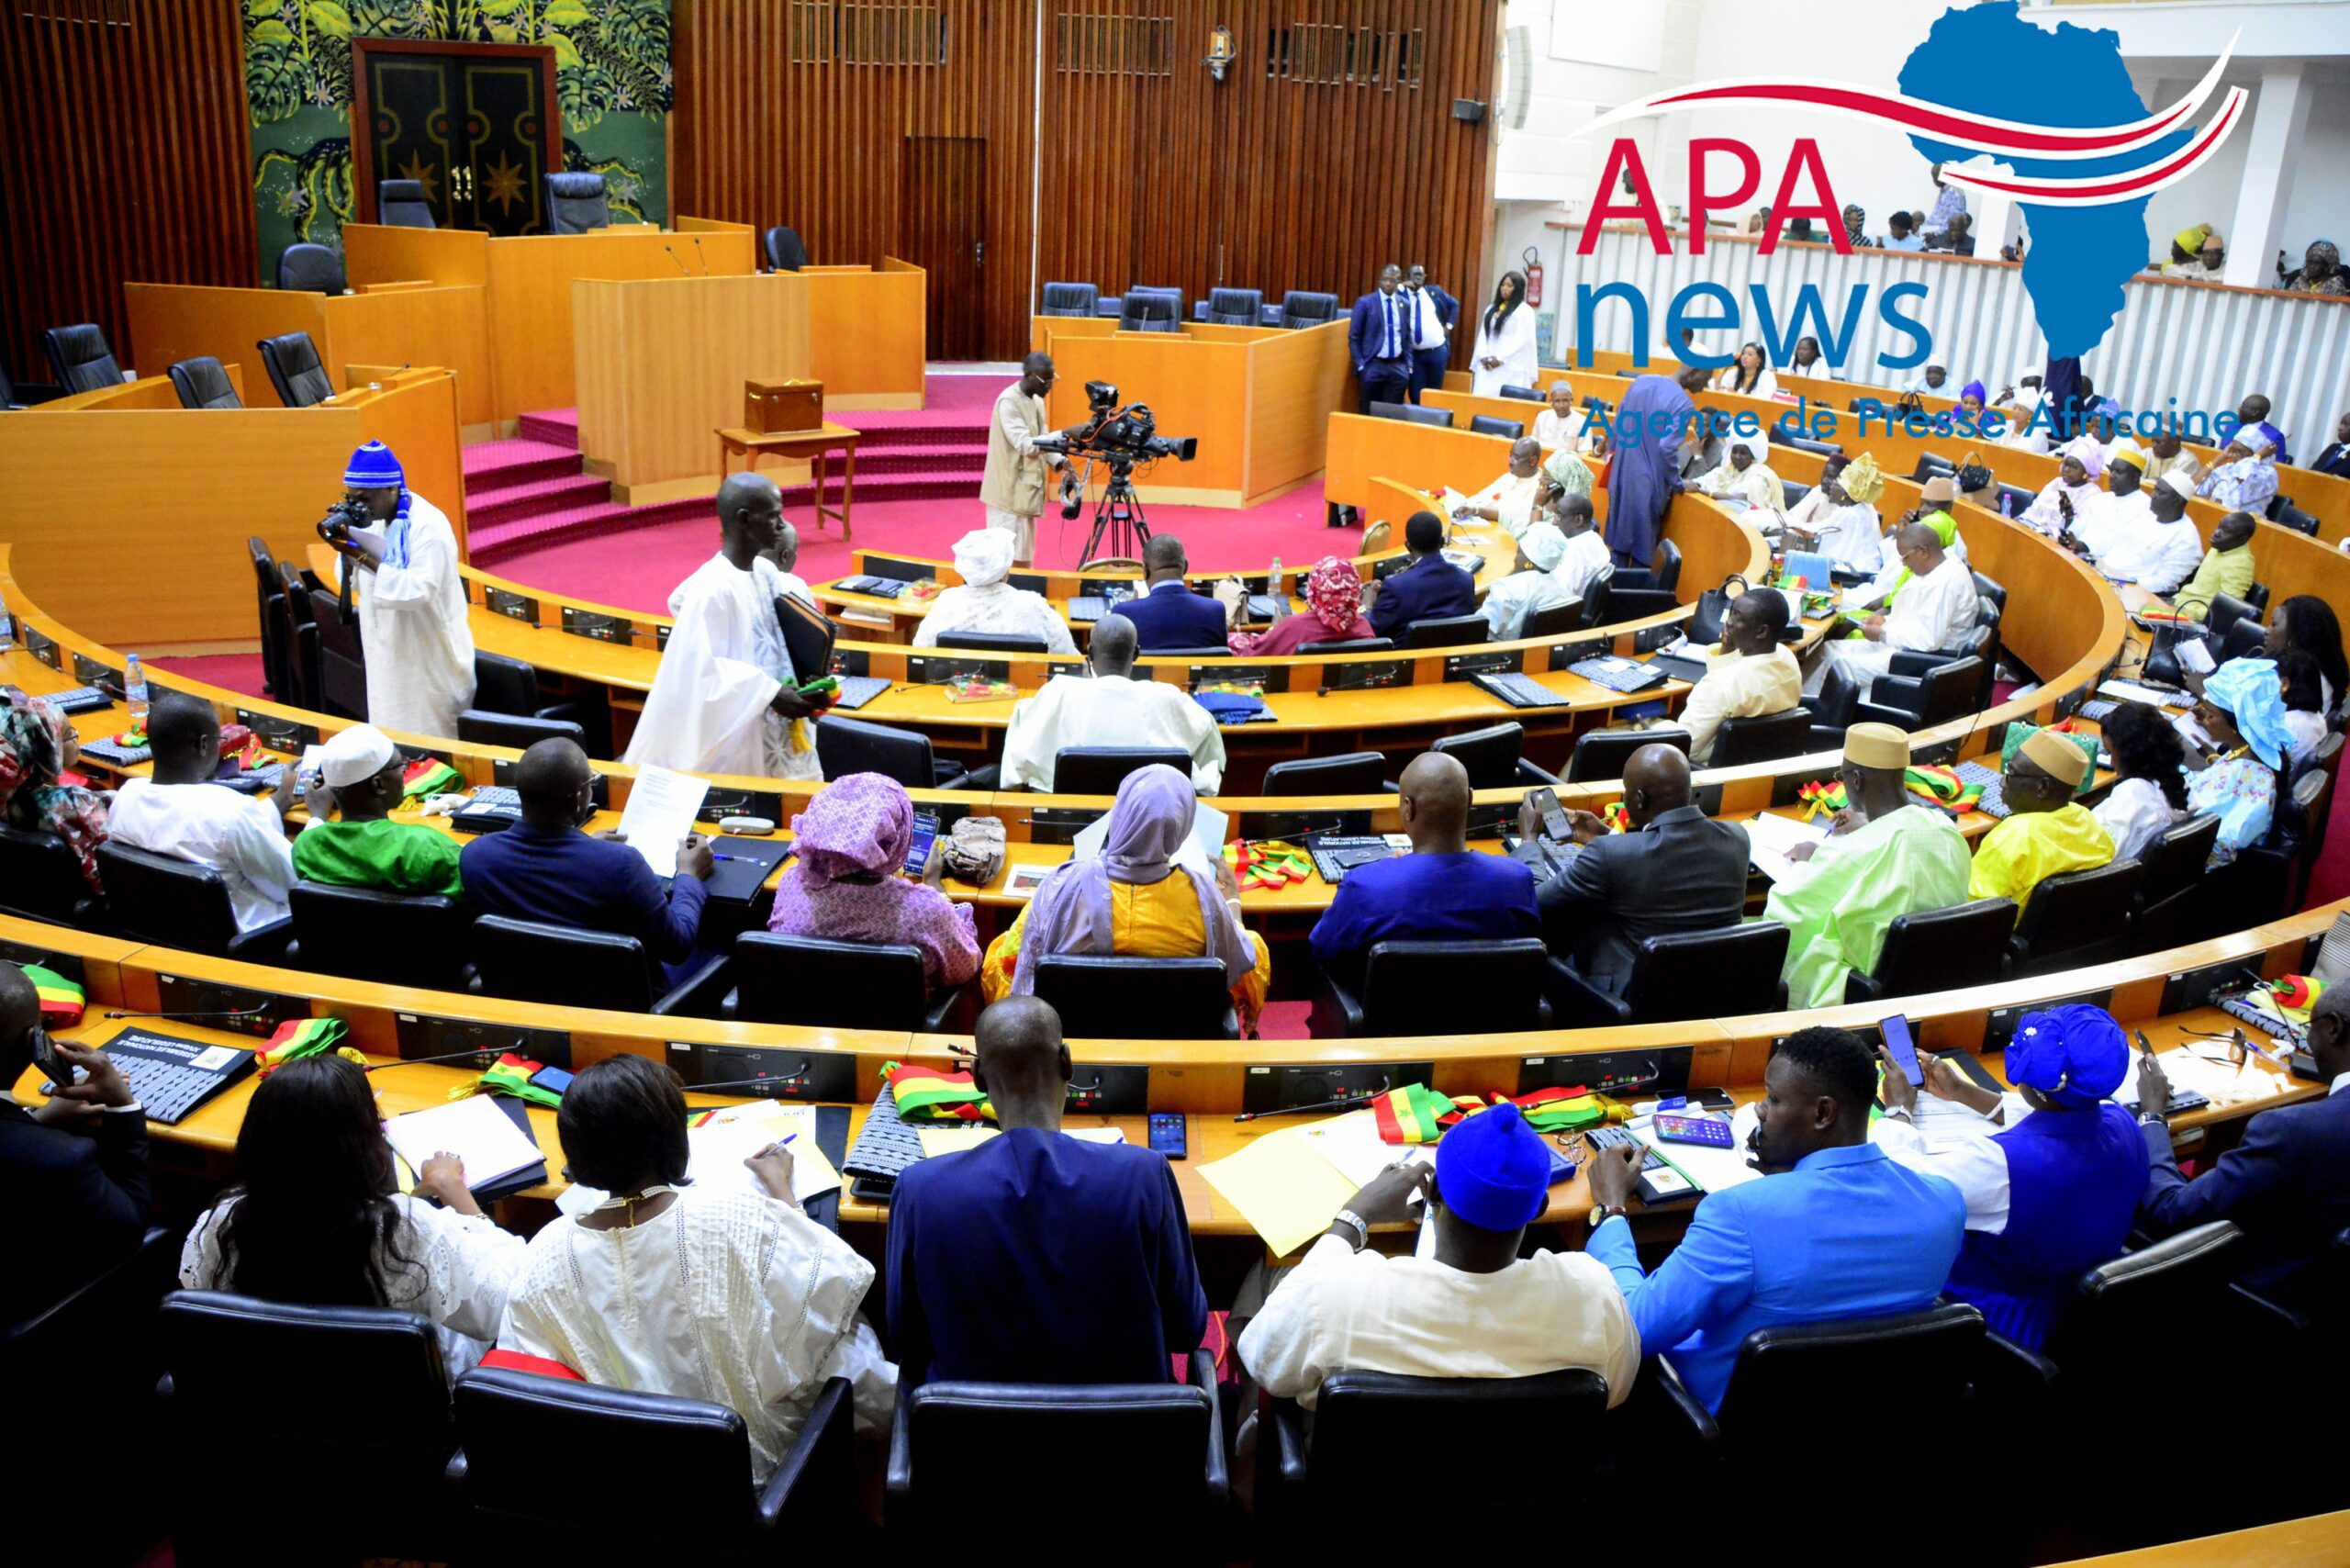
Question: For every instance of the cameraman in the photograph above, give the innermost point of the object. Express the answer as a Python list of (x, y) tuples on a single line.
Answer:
[(400, 555), (1013, 488)]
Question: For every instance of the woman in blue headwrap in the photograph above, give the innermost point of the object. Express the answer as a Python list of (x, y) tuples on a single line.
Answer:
[(2243, 709)]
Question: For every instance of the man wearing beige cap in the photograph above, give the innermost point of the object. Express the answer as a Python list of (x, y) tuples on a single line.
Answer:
[(360, 774), (2048, 832), (1887, 857)]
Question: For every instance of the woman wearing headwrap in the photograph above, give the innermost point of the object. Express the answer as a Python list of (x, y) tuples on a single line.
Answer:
[(1564, 473), (845, 886), (1531, 587), (1972, 398), (1333, 593), (985, 602), (2051, 1195), (1846, 528), (1745, 474), (37, 745), (2320, 270), (2246, 478), (2243, 709), (2021, 403), (2198, 255), (2072, 493), (1856, 220), (1134, 899)]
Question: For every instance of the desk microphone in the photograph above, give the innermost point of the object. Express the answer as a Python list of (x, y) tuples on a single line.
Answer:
[(518, 1044), (1337, 1103), (698, 256), (682, 271), (772, 1080), (191, 1017)]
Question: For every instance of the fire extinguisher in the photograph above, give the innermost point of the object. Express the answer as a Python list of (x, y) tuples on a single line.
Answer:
[(1533, 259)]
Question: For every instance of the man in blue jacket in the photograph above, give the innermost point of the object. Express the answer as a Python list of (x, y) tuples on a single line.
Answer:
[(1835, 1231), (1429, 588), (1167, 614), (1436, 313), (1380, 339), (2287, 1185)]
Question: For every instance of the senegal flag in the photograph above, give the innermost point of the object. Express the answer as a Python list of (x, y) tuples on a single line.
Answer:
[(299, 1037), (60, 999), (926, 1094), (1561, 1110), (523, 1079), (429, 776), (1413, 1113)]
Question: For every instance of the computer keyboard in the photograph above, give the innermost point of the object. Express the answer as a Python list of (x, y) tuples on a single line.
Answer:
[(879, 588), (172, 1076), (1335, 855), (1994, 803), (1618, 674), (81, 699), (2096, 710), (115, 756), (885, 1147), (488, 808), (856, 690), (1519, 690)]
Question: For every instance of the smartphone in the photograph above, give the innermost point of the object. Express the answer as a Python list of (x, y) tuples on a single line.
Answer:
[(1895, 1031), (1167, 1134), (51, 1065), (1545, 805), (918, 852)]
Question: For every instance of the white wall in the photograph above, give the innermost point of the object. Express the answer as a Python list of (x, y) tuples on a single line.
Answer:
[(2319, 207)]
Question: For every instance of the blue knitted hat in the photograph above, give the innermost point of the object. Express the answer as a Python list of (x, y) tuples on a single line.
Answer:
[(373, 467), (1492, 1170)]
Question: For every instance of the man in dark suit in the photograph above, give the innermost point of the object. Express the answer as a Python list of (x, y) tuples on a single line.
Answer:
[(2287, 1185), (1436, 313), (1429, 588), (1678, 870), (75, 1171), (1167, 614), (1380, 339)]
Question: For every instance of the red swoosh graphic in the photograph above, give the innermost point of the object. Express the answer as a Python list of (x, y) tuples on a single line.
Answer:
[(1942, 125)]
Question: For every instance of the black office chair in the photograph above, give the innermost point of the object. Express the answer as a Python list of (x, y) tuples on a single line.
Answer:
[(1925, 689), (1437, 988), (81, 359), (2225, 612), (1118, 1453), (784, 251), (245, 1375), (2244, 640), (389, 938), (203, 384), (340, 658), (1554, 620), (1113, 997), (2072, 921), (310, 269), (292, 361), (400, 204), (993, 642), (1992, 589), (1467, 1434), (40, 878), (1805, 443), (511, 1421), (269, 604), (2015, 498), (1149, 310), (2257, 595), (2168, 909), (511, 687), (1492, 756), (1693, 974), (1662, 572), (7, 391), (845, 746), (1602, 754), (1413, 413), (524, 960), (1305, 309), (1235, 307), (1524, 394), (517, 731), (824, 984), (577, 202), (1446, 632), (1353, 773), (1351, 645), (1070, 299), (2285, 514), (1932, 464), (1599, 598), (1938, 949), (1100, 769), (1793, 493), (1766, 737), (177, 904), (1494, 424)]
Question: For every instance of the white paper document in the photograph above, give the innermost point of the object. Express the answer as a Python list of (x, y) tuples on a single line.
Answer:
[(1771, 841), (716, 1149), (661, 809), (1200, 852), (473, 1129)]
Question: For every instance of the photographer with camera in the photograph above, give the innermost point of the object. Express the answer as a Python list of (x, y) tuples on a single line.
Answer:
[(399, 564), (1014, 485)]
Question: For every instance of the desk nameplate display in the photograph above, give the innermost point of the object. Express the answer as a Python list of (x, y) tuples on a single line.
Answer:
[(93, 672), (602, 628), (1122, 1091), (421, 1035), (1283, 1086), (1629, 1075), (1999, 1024), (600, 785), (1461, 667), (513, 605), (264, 1010), (1368, 675), (287, 736), (2191, 988), (938, 671), (45, 649), (1265, 677), (767, 1072), (65, 965)]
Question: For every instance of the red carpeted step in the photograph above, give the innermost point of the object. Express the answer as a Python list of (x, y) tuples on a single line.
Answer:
[(512, 503), (556, 427), (491, 464), (504, 534)]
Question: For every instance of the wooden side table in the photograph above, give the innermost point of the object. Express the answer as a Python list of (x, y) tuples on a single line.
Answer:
[(816, 446)]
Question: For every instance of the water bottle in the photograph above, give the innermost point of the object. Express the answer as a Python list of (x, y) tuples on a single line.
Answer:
[(134, 691), (7, 626), (1274, 579), (2007, 505)]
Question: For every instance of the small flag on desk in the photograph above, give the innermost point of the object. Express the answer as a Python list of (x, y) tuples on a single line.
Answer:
[(299, 1037), (926, 1094), (60, 999), (1413, 1113), (1561, 1110), (523, 1079), (429, 776)]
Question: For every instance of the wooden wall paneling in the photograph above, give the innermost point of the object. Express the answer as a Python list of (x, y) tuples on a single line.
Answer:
[(797, 112), (124, 154), (178, 322), (418, 325)]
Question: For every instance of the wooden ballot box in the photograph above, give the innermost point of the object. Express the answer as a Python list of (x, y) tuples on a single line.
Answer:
[(777, 408)]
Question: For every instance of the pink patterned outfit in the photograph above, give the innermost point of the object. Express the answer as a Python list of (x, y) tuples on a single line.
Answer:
[(845, 886)]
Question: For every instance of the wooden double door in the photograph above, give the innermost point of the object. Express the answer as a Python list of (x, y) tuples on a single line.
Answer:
[(476, 125)]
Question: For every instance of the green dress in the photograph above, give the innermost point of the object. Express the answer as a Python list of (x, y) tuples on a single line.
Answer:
[(1840, 902)]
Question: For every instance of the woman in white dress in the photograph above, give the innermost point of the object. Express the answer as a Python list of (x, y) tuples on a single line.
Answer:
[(720, 1289), (319, 1218), (2152, 794), (1746, 474), (1750, 375), (1505, 353)]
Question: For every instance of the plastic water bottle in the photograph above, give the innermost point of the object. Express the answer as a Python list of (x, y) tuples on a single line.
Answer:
[(2007, 505), (1274, 579), (134, 691), (7, 626)]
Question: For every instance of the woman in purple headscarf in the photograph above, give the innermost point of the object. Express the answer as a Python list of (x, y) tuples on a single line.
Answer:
[(845, 885), (1134, 899)]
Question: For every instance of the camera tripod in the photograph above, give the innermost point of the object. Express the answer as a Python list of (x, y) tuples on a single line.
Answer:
[(1118, 518)]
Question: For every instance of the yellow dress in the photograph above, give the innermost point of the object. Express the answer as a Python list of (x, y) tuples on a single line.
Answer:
[(2032, 847), (1147, 920)]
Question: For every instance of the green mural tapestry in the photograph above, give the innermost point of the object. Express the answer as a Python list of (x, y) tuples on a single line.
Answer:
[(611, 83)]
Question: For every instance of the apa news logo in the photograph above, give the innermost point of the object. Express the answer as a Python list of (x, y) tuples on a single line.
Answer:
[(1966, 97)]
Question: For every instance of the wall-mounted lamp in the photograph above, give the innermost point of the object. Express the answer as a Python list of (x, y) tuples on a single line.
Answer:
[(1221, 53)]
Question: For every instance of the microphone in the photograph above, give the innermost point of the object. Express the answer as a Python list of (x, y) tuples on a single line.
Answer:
[(773, 1081), (453, 1056), (191, 1017), (1336, 1103), (679, 260), (698, 256)]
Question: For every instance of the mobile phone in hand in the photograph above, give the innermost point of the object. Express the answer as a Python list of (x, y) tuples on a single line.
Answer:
[(53, 1065), (1903, 1049), (1554, 820)]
